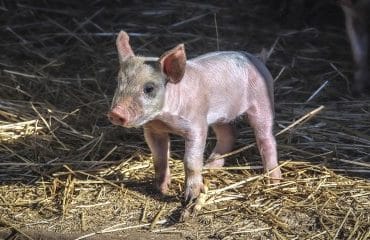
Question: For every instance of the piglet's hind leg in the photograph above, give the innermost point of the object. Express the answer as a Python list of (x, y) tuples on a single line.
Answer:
[(266, 142), (225, 134)]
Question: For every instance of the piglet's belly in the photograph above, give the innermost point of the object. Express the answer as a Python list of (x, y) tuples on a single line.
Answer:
[(226, 108), (224, 115)]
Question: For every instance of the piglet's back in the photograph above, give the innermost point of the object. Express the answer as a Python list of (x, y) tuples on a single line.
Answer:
[(232, 81)]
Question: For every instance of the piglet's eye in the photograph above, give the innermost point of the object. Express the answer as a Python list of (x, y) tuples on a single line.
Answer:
[(149, 88)]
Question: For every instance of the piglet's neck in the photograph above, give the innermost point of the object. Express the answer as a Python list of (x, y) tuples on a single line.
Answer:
[(173, 97), (178, 95)]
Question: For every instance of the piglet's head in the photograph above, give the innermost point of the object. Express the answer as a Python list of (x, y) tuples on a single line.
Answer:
[(140, 92)]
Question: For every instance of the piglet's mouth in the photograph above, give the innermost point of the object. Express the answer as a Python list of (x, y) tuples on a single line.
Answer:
[(119, 116), (123, 123), (122, 118)]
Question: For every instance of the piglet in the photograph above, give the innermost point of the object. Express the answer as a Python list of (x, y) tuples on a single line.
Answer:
[(184, 97)]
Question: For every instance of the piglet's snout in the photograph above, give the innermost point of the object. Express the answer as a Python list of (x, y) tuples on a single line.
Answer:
[(118, 116)]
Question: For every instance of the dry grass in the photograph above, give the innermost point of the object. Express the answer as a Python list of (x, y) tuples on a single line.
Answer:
[(64, 169)]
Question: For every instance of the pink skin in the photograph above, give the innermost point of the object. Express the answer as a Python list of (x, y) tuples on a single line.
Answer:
[(225, 135), (210, 90), (159, 144)]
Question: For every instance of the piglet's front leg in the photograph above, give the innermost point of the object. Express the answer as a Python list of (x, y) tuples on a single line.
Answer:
[(195, 142), (159, 146)]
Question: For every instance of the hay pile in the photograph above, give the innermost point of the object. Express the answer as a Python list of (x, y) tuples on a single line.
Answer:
[(67, 173)]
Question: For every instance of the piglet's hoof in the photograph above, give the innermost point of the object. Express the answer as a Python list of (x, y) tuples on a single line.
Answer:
[(162, 185), (274, 176), (192, 208), (193, 190)]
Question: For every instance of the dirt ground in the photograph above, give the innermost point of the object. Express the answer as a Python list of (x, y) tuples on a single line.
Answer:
[(67, 173)]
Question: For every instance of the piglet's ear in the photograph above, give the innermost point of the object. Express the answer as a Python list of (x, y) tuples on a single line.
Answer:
[(123, 46), (173, 63)]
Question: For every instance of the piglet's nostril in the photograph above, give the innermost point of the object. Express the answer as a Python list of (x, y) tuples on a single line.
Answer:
[(122, 120), (116, 118)]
